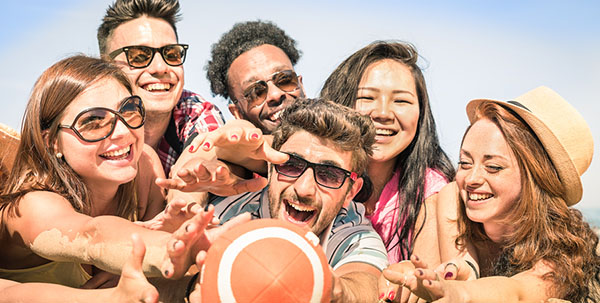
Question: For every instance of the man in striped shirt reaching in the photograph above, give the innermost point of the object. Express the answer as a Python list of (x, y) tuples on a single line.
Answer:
[(328, 147)]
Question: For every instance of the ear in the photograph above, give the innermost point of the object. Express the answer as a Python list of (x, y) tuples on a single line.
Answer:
[(235, 111), (302, 94), (352, 191)]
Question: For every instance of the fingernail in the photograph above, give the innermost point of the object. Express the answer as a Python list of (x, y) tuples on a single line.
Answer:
[(420, 272), (254, 136), (191, 150), (416, 258), (206, 145), (187, 228), (429, 282), (391, 295), (381, 296), (448, 275), (166, 272), (234, 137)]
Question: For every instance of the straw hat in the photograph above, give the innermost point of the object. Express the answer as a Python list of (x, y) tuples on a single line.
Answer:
[(566, 137)]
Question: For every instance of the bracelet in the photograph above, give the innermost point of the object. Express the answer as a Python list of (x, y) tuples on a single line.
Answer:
[(190, 286), (474, 268)]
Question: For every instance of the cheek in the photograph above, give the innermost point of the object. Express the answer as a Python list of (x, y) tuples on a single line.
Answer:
[(408, 117)]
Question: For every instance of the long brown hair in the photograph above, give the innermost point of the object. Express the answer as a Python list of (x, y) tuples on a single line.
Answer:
[(547, 229), (36, 167), (422, 153)]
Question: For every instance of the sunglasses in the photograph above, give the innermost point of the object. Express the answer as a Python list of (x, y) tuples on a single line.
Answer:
[(326, 175), (256, 93), (140, 56), (98, 123)]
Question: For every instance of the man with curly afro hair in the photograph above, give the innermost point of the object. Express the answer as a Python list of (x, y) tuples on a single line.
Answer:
[(253, 65)]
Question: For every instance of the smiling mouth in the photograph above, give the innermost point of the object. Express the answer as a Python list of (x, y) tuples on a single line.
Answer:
[(274, 117), (385, 132), (479, 197), (117, 154), (298, 212), (157, 87)]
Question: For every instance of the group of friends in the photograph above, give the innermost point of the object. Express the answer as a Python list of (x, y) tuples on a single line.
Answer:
[(122, 178)]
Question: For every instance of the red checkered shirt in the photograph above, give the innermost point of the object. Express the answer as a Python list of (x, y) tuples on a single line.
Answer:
[(192, 114)]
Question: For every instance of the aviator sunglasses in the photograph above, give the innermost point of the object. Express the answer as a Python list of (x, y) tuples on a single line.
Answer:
[(98, 123), (256, 93), (326, 175), (140, 56)]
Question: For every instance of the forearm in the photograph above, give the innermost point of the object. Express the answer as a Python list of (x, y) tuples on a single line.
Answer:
[(104, 242), (498, 289), (355, 287), (49, 293)]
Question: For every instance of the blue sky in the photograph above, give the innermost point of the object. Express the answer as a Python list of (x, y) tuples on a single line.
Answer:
[(470, 49)]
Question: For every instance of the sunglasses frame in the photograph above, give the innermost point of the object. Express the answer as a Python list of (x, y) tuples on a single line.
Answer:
[(114, 123), (347, 174), (245, 92), (160, 50)]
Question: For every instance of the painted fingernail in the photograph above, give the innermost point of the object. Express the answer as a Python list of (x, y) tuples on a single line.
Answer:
[(191, 150), (416, 258), (187, 228), (166, 272), (381, 296), (420, 272), (392, 295), (429, 282), (448, 275), (254, 136), (206, 145), (234, 137)]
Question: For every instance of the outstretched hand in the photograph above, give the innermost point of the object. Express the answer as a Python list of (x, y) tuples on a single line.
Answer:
[(191, 239), (133, 285), (210, 176), (403, 281), (175, 214)]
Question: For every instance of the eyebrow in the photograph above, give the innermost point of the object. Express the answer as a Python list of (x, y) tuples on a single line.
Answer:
[(396, 91), (254, 79), (485, 157), (325, 162)]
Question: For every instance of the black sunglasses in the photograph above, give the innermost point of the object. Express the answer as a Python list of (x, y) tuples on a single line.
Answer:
[(326, 175), (140, 56), (256, 93), (98, 123)]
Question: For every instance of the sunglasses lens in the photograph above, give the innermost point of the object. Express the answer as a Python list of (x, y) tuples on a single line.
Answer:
[(286, 80), (173, 54), (256, 93), (292, 168), (139, 56), (132, 112), (94, 124), (329, 176)]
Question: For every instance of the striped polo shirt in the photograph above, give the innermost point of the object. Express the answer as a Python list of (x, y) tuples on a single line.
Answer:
[(350, 237)]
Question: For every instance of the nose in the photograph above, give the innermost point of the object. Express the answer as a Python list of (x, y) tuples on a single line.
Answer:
[(474, 177), (275, 95), (158, 65), (121, 130), (305, 185)]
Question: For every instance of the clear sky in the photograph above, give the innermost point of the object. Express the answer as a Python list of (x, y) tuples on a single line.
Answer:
[(470, 49)]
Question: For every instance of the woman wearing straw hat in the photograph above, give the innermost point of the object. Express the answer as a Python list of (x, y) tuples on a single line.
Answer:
[(519, 171)]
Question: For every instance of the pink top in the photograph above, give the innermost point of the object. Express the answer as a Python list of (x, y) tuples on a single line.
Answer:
[(386, 212)]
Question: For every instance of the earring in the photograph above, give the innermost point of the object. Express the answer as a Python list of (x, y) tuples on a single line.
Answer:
[(59, 155)]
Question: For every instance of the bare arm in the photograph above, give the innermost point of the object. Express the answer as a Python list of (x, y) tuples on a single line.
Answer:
[(133, 287), (355, 282), (447, 214)]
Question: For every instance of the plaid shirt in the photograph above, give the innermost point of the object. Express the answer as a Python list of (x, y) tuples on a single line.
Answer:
[(192, 115)]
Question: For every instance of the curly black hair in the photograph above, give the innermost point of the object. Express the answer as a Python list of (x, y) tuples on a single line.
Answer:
[(242, 37)]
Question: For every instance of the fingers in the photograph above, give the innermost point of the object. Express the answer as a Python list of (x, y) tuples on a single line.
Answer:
[(450, 271), (387, 290), (252, 185), (418, 262), (274, 156), (137, 254)]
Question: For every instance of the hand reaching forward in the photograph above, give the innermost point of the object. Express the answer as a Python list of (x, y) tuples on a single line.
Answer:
[(133, 285)]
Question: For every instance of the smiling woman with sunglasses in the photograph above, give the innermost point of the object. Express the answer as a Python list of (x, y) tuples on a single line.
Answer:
[(81, 175)]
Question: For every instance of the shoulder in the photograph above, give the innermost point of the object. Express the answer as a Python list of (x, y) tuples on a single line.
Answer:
[(434, 181), (353, 239)]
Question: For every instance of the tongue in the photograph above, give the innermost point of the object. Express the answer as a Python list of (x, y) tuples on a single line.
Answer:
[(298, 215)]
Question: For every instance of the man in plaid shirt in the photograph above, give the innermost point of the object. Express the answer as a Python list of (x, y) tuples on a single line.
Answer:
[(141, 37)]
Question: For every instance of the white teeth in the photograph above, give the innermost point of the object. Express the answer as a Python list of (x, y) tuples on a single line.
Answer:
[(477, 197), (117, 153), (275, 116), (157, 86), (384, 132), (299, 207)]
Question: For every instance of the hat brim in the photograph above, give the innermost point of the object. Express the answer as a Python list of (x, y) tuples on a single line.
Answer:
[(558, 155)]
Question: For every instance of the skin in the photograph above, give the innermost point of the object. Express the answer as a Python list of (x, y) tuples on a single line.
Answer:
[(489, 168), (325, 203), (260, 63), (168, 79)]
